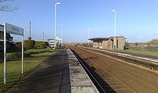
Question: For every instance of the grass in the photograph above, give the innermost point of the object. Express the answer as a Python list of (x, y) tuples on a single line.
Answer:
[(1, 56), (14, 67), (141, 52)]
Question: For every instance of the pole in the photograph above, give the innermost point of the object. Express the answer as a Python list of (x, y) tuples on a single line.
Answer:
[(88, 36), (115, 46), (22, 63), (55, 23), (61, 32), (55, 28), (43, 36), (115, 32), (30, 29), (5, 65)]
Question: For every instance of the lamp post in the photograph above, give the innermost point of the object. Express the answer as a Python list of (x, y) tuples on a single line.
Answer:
[(88, 36), (115, 46), (55, 23), (43, 36), (55, 17)]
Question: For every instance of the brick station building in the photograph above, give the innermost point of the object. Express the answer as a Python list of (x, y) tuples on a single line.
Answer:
[(108, 43)]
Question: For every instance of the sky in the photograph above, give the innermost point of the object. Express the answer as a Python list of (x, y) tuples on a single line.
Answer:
[(137, 20)]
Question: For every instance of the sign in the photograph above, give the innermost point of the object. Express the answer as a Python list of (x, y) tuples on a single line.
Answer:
[(8, 28), (13, 29)]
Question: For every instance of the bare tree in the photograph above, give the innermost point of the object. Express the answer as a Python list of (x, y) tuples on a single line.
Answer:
[(7, 8)]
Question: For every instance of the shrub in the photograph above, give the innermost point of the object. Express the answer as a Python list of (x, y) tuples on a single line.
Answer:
[(29, 38), (43, 46), (8, 45), (18, 45), (40, 44), (29, 44)]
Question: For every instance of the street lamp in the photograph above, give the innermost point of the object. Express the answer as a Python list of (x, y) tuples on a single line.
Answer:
[(55, 22), (55, 17), (115, 46)]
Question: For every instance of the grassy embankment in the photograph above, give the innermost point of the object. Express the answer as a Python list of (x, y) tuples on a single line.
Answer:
[(141, 52), (14, 65)]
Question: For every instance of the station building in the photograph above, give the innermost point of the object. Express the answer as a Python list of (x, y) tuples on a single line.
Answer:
[(8, 36), (108, 43)]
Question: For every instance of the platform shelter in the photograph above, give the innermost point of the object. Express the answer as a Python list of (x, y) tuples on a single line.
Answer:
[(108, 43)]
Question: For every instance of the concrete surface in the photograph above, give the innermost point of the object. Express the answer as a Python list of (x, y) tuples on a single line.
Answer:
[(79, 80)]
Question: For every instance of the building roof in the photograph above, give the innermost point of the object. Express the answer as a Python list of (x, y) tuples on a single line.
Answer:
[(101, 39), (96, 39), (117, 37)]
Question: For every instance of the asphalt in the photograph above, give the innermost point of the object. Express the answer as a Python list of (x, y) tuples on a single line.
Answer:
[(51, 76)]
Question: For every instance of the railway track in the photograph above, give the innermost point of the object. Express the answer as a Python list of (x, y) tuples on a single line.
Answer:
[(115, 75)]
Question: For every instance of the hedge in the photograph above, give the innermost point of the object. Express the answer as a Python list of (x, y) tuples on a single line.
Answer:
[(40, 44), (29, 44)]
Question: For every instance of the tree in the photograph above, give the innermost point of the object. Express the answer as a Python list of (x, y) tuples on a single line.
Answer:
[(136, 44), (7, 8)]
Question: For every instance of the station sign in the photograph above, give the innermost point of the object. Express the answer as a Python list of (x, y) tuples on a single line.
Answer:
[(13, 29), (8, 28)]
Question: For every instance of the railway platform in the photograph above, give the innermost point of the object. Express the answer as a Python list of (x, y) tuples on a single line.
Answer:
[(79, 80), (61, 73)]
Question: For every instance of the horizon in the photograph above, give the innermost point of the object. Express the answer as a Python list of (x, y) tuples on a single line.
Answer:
[(84, 19)]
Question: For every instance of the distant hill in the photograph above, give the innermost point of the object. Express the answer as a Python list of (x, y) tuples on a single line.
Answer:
[(153, 42)]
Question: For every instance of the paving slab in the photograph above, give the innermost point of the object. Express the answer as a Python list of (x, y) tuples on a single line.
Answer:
[(79, 80)]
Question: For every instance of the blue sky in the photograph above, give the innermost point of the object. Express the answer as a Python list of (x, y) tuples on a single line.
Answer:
[(137, 20)]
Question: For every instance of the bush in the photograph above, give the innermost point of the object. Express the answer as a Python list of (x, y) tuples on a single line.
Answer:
[(29, 44), (43, 46), (8, 45), (18, 45), (29, 38), (40, 44), (17, 55)]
